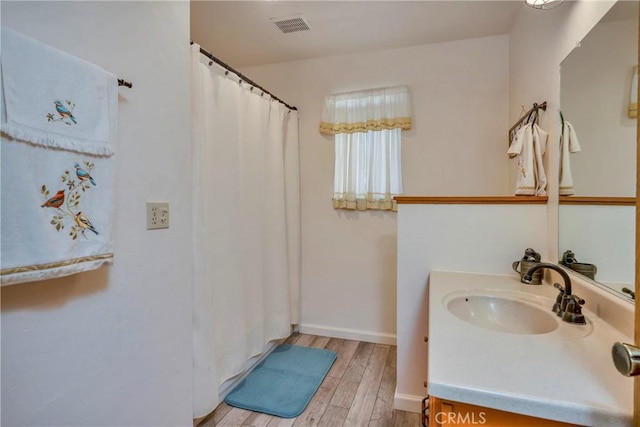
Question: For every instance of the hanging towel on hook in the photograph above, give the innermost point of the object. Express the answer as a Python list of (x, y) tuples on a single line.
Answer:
[(59, 122), (529, 146), (568, 144)]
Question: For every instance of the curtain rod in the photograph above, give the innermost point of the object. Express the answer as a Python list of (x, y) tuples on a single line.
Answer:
[(242, 77)]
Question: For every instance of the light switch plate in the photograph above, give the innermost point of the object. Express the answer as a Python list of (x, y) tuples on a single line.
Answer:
[(157, 215)]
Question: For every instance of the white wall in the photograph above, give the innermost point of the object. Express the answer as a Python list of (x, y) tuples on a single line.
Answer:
[(113, 347), (471, 238), (457, 146), (595, 90), (538, 42)]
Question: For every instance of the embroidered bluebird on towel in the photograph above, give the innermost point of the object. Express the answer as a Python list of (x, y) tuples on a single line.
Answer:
[(55, 99)]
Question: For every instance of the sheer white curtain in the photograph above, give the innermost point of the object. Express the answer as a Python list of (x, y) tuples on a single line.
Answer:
[(368, 133), (367, 170), (246, 226)]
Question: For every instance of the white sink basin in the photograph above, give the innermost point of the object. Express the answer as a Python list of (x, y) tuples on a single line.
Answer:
[(503, 314)]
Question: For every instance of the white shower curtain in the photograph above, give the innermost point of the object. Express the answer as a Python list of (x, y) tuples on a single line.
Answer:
[(246, 217)]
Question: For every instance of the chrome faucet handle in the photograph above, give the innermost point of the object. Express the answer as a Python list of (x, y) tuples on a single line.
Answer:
[(573, 310)]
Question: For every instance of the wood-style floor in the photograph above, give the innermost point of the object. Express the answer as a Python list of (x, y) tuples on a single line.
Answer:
[(357, 391)]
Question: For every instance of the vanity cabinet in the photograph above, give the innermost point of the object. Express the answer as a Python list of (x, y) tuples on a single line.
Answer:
[(449, 413)]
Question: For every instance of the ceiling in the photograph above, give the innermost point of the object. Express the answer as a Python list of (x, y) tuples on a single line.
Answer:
[(241, 34)]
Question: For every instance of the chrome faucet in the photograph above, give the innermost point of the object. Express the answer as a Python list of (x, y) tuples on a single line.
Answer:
[(567, 305)]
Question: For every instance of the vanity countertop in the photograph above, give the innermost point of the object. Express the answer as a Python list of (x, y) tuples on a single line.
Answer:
[(565, 375)]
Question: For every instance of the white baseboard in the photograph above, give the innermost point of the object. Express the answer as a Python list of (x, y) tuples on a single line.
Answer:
[(407, 402), (349, 334)]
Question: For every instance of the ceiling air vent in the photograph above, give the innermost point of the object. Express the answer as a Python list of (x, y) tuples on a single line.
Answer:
[(291, 24)]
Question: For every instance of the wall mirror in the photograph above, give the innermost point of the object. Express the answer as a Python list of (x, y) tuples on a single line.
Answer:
[(597, 221)]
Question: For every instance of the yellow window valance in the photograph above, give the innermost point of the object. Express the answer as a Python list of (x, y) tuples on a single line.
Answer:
[(362, 111)]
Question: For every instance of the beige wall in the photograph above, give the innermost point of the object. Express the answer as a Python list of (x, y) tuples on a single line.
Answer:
[(457, 146)]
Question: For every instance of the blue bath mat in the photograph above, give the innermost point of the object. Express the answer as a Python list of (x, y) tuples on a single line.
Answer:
[(284, 382)]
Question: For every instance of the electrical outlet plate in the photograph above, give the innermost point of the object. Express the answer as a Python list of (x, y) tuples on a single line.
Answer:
[(157, 215)]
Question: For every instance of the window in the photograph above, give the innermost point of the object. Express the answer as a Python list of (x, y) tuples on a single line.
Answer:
[(367, 127)]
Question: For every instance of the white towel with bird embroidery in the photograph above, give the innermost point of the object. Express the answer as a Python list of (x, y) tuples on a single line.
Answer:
[(57, 198), (529, 146), (568, 144), (55, 99)]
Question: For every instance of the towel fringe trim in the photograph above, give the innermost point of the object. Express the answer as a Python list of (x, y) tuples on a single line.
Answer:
[(34, 137), (32, 273)]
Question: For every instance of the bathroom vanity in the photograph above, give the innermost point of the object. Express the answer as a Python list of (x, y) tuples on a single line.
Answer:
[(499, 356)]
